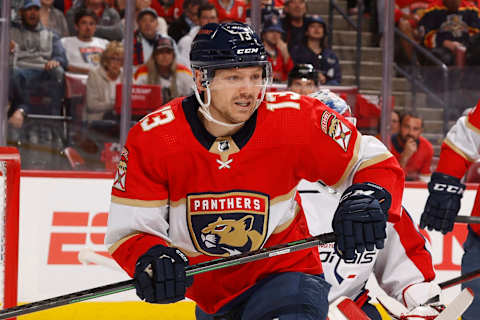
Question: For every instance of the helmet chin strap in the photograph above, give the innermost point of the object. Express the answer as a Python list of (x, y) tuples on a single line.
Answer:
[(205, 109)]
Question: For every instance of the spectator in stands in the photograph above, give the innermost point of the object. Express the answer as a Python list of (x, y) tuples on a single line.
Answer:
[(144, 4), (189, 19), (303, 79), (168, 9), (294, 22), (314, 51), (102, 82), (144, 36), (84, 50), (206, 14), (230, 10), (53, 19), (267, 8), (413, 152), (395, 122), (276, 48), (39, 57), (447, 27), (17, 109), (162, 69), (109, 24), (407, 16)]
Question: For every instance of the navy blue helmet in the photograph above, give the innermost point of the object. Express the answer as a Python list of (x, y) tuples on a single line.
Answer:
[(225, 46)]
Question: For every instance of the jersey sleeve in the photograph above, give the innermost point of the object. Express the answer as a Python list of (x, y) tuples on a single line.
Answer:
[(138, 216), (405, 260), (343, 156), (461, 146)]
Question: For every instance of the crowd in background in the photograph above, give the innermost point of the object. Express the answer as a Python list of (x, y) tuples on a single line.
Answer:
[(58, 46)]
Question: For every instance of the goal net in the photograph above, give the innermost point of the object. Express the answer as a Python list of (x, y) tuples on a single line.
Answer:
[(9, 223)]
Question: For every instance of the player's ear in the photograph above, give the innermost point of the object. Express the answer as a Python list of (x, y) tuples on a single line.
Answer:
[(198, 80)]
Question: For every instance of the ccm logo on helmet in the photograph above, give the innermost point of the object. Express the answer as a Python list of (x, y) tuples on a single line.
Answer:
[(247, 50)]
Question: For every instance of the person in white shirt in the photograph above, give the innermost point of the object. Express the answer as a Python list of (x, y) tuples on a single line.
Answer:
[(84, 50)]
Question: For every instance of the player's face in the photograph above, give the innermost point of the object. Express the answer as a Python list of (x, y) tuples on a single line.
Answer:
[(148, 25), (86, 28), (234, 93), (164, 57), (410, 128), (31, 16), (208, 16), (303, 86)]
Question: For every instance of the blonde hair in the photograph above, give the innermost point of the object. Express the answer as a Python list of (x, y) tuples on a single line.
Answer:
[(113, 48), (154, 76)]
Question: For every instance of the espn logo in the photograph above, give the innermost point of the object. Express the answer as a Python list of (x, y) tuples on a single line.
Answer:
[(73, 231)]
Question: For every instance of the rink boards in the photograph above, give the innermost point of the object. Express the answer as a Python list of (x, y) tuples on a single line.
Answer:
[(62, 215)]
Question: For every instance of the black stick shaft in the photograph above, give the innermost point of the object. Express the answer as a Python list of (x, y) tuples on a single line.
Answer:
[(467, 219), (460, 279), (190, 270)]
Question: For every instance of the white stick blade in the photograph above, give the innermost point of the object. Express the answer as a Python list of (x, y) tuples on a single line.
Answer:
[(458, 306)]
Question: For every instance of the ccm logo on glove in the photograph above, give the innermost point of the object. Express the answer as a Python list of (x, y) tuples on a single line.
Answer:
[(447, 188)]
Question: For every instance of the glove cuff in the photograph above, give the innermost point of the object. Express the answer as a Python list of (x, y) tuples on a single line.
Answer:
[(438, 176), (441, 182), (161, 250), (370, 189)]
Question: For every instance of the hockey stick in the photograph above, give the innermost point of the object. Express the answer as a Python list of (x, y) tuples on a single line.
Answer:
[(190, 270), (460, 279), (467, 219), (455, 281)]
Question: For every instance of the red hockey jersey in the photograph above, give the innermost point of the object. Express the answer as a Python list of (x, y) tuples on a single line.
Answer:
[(213, 197)]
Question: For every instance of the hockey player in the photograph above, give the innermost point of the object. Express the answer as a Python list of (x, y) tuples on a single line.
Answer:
[(403, 269), (215, 174), (459, 150)]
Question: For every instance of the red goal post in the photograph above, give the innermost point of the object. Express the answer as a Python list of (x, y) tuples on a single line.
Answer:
[(9, 225)]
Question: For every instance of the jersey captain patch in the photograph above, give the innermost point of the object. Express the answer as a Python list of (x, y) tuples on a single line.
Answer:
[(336, 129), (121, 173), (227, 223)]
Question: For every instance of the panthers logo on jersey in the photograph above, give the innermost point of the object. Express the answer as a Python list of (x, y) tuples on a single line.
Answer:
[(229, 223), (336, 129)]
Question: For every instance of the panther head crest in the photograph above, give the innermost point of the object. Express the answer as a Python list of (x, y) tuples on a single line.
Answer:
[(232, 236)]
